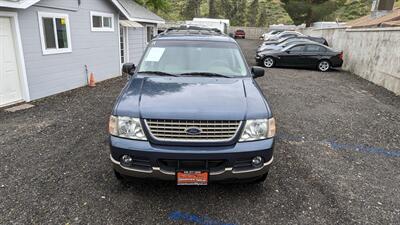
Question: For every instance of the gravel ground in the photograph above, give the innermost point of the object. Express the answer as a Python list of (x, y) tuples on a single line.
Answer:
[(337, 161)]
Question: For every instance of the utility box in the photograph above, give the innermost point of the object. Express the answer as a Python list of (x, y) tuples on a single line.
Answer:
[(381, 7), (385, 5)]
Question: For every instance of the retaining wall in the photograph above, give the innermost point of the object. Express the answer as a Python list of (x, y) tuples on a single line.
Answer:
[(373, 53)]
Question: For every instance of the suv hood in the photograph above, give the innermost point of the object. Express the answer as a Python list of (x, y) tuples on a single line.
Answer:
[(192, 98)]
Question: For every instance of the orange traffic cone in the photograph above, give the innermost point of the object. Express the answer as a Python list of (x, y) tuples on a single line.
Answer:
[(92, 82)]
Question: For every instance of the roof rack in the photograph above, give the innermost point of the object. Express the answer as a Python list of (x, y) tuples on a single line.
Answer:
[(192, 30)]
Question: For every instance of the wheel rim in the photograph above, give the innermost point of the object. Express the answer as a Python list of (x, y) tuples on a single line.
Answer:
[(268, 62), (323, 66)]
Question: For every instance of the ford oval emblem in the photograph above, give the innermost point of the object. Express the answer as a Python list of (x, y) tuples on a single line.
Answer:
[(193, 131)]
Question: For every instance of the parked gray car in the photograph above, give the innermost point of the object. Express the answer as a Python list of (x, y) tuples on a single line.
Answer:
[(284, 34), (319, 40), (283, 44)]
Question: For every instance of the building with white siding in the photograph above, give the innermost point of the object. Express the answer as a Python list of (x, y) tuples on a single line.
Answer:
[(50, 46)]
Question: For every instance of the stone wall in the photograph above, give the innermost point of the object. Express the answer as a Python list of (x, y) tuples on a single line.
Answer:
[(372, 53)]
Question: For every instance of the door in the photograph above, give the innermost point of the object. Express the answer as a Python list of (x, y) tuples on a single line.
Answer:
[(10, 84), (292, 56), (149, 33), (312, 54)]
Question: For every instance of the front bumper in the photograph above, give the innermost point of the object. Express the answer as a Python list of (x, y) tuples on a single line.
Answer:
[(337, 63), (158, 173), (259, 58), (155, 155)]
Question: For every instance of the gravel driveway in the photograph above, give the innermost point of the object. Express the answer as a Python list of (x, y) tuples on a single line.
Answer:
[(337, 161)]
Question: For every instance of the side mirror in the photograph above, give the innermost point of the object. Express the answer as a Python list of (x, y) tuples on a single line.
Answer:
[(288, 52), (257, 71), (128, 68)]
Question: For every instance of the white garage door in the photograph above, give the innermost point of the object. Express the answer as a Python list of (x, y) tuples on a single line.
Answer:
[(10, 85)]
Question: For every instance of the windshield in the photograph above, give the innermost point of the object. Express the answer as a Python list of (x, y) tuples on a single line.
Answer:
[(191, 57)]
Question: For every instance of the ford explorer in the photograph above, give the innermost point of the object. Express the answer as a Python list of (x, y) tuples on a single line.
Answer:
[(192, 113)]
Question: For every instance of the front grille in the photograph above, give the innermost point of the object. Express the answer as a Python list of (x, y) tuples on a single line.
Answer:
[(176, 165), (177, 130)]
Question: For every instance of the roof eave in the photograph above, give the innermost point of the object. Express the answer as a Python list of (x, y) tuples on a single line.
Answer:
[(146, 20), (18, 5), (126, 14)]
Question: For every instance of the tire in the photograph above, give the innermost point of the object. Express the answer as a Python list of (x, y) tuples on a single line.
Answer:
[(323, 65), (269, 62)]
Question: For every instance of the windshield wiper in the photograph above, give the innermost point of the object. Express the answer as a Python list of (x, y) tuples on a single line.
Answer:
[(205, 74), (160, 73)]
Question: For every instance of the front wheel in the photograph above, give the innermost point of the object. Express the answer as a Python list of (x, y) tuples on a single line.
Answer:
[(269, 62), (324, 65)]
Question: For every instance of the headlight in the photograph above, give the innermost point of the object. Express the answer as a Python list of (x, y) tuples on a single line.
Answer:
[(126, 127), (258, 130)]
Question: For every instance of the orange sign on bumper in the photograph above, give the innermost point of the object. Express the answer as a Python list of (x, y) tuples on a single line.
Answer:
[(192, 178)]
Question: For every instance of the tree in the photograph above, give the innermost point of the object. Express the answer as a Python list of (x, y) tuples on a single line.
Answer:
[(351, 10), (239, 13), (191, 9), (227, 9), (262, 18), (309, 11), (212, 9), (155, 5), (252, 13)]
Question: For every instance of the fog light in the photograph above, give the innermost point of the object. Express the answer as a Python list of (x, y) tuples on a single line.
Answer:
[(257, 161), (126, 160)]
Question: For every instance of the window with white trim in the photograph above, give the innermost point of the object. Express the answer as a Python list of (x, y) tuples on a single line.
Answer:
[(54, 32), (102, 21)]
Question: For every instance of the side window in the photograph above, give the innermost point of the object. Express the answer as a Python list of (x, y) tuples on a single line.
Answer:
[(297, 48), (285, 35), (102, 21), (315, 48), (54, 32), (290, 35)]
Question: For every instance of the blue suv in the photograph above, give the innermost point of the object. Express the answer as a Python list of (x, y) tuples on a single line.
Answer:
[(192, 112)]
